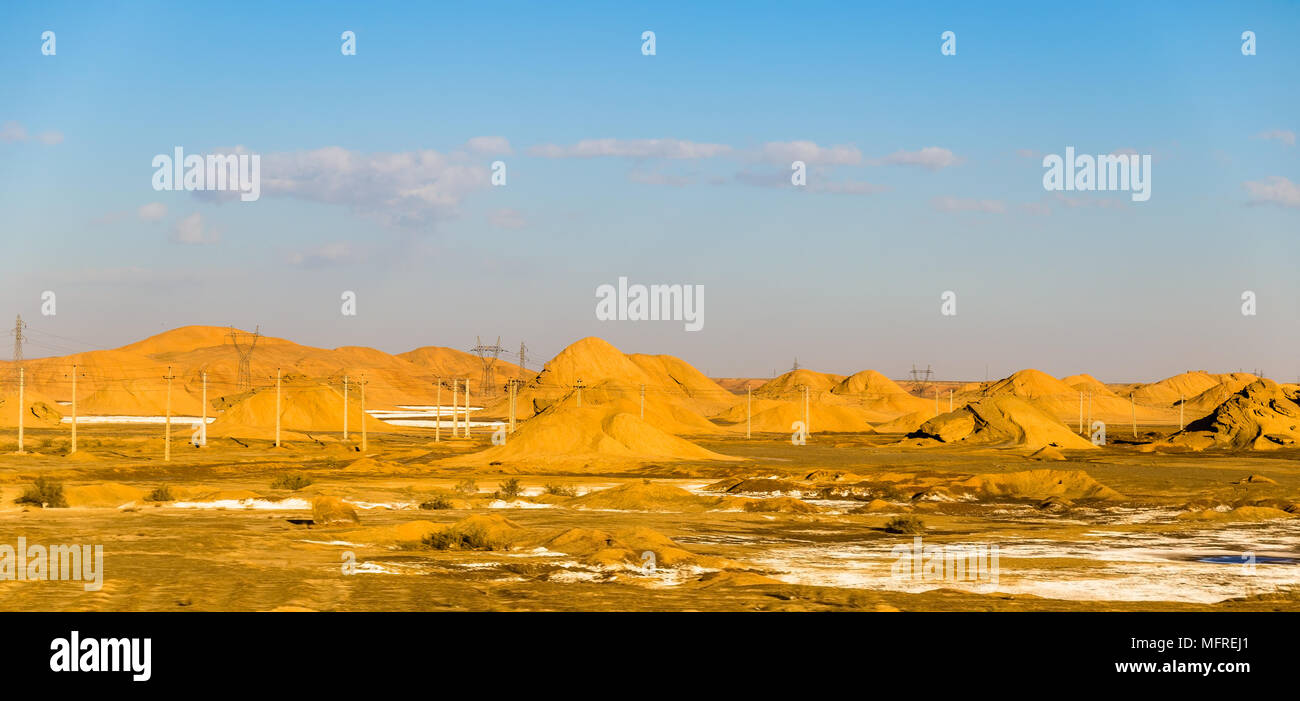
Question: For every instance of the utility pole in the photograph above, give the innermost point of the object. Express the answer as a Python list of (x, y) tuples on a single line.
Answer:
[(578, 385), (749, 409), (277, 407), (364, 382), (437, 422), (203, 428), (245, 378), (949, 400), (1089, 410), (807, 423), (74, 409), (167, 436), (21, 405), (643, 401), (1132, 407), (523, 371), (1080, 412), (455, 418), (345, 408), (1180, 412), (467, 407), (514, 386)]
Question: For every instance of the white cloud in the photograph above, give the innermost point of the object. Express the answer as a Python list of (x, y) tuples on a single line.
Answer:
[(153, 211), (1273, 190), (631, 148), (655, 178), (190, 230), (930, 158), (809, 152), (954, 204), (846, 187), (1283, 135), (405, 189), (322, 256), (12, 131), (489, 145), (507, 219)]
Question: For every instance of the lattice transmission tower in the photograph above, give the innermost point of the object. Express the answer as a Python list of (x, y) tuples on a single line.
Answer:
[(487, 382), (244, 380)]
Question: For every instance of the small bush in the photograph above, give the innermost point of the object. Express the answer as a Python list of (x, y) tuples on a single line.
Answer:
[(562, 490), (437, 503), (905, 524), (163, 493), (509, 489), (290, 481), (467, 487), (44, 493), (469, 539)]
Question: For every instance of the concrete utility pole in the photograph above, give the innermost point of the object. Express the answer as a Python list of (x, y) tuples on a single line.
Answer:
[(21, 408), (437, 423), (345, 407), (363, 414), (578, 385), (1080, 411), (949, 400), (514, 391), (807, 425), (74, 409), (455, 418), (749, 410), (203, 429), (1089, 408), (1132, 407), (467, 407), (167, 436), (277, 407), (643, 401)]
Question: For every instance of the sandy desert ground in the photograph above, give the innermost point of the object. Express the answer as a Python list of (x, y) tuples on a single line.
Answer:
[(606, 506)]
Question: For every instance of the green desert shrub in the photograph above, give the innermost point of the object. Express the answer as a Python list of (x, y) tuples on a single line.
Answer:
[(561, 490), (905, 524), (291, 481), (44, 493), (163, 493), (509, 489), (436, 503), (467, 487)]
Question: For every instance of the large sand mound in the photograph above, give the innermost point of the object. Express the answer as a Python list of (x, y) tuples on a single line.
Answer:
[(874, 392), (1263, 415), (309, 408), (603, 433), (1001, 422), (791, 383), (1066, 402), (608, 375), (774, 416), (1087, 383), (1185, 386)]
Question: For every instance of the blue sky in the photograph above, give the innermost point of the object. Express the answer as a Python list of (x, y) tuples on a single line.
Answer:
[(845, 274)]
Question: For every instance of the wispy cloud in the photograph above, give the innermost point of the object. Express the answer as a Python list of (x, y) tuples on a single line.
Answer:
[(324, 256), (191, 230), (929, 158), (13, 132), (955, 204), (1282, 135), (507, 219), (411, 188), (810, 153), (154, 211), (1275, 190), (631, 148)]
